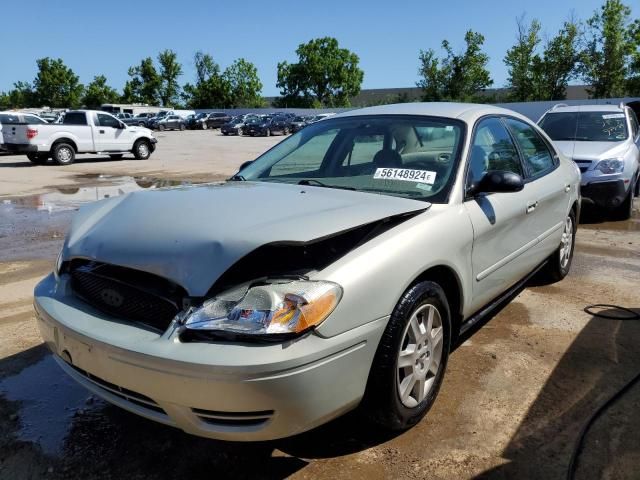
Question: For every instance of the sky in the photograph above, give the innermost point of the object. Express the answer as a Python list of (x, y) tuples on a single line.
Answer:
[(107, 37)]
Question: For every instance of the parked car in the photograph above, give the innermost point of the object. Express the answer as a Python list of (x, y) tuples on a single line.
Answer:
[(82, 131), (320, 116), (197, 121), (298, 123), (233, 126), (216, 120), (171, 122), (141, 119), (604, 141), (336, 270), (267, 126), (123, 116)]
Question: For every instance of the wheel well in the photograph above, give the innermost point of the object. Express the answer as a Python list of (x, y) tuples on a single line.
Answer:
[(448, 280), (65, 140), (575, 208)]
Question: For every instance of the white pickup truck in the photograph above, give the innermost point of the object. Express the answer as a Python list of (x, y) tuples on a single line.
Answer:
[(82, 131)]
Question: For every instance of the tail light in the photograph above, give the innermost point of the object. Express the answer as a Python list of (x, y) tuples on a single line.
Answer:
[(31, 133)]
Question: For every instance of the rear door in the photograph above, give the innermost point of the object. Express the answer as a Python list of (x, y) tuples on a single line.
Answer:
[(502, 243)]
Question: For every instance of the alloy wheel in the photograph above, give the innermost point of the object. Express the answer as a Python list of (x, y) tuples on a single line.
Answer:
[(566, 243)]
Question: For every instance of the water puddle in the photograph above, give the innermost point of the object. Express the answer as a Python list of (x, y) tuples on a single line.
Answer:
[(34, 226), (49, 401)]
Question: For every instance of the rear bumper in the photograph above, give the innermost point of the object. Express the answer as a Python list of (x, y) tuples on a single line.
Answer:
[(606, 194), (222, 390), (20, 148)]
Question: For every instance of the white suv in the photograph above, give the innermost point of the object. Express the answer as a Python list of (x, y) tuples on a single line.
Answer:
[(604, 141)]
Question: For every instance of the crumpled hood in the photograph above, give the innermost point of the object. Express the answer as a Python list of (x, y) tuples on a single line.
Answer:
[(591, 150), (192, 235)]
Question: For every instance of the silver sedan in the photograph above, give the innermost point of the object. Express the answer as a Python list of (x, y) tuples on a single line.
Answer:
[(335, 271)]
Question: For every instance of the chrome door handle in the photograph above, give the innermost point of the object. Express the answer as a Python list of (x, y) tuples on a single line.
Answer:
[(567, 188), (531, 206)]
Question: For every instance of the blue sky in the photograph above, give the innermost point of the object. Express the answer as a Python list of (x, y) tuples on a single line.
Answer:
[(106, 37)]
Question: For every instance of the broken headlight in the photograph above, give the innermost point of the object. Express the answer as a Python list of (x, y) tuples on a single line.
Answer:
[(267, 309)]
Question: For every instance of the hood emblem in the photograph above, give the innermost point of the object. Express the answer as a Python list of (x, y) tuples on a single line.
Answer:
[(111, 298)]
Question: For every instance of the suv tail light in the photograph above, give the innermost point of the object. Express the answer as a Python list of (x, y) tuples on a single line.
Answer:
[(31, 132)]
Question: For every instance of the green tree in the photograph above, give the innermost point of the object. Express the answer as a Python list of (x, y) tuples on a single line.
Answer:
[(144, 85), (633, 80), (520, 60), (210, 89), (20, 96), (98, 92), (558, 64), (244, 84), (324, 76), (170, 70), (605, 60), (56, 85), (458, 77)]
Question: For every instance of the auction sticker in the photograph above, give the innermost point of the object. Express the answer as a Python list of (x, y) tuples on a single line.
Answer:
[(405, 175), (613, 115)]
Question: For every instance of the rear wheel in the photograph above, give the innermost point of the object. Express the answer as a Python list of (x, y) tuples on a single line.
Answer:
[(142, 150), (63, 154), (116, 156), (38, 158), (559, 263), (411, 358)]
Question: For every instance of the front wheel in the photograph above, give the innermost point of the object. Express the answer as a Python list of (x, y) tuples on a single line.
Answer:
[(411, 359), (161, 128), (142, 150), (63, 154)]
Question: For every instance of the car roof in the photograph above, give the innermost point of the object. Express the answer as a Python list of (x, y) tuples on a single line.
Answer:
[(468, 112), (586, 108)]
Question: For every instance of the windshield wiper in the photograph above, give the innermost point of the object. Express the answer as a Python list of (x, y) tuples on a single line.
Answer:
[(317, 183)]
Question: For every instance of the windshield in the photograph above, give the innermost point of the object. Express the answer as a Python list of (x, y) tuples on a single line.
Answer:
[(406, 156), (586, 126)]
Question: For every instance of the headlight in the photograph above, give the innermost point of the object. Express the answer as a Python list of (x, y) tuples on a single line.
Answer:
[(263, 310), (612, 165)]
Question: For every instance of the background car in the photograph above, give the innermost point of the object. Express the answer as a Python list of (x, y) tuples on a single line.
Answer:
[(141, 119), (233, 127), (197, 121), (298, 123), (171, 122), (604, 141), (216, 120)]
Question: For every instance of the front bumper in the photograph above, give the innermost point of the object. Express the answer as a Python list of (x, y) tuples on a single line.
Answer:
[(222, 390), (607, 194)]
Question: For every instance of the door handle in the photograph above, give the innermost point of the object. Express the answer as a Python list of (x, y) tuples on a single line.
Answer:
[(101, 131), (567, 188), (531, 206)]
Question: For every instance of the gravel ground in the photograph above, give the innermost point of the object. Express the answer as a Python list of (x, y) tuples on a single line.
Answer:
[(515, 396)]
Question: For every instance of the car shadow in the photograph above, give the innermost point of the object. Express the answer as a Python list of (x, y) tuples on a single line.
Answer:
[(599, 362)]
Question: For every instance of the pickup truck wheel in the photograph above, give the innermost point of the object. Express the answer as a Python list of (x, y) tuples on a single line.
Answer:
[(411, 359), (38, 158), (141, 150), (559, 264), (63, 154), (116, 156)]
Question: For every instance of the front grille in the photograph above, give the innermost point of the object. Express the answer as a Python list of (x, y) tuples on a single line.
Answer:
[(121, 392), (233, 419), (127, 294)]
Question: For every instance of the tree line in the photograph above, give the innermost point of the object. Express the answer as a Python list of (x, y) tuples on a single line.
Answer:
[(603, 52)]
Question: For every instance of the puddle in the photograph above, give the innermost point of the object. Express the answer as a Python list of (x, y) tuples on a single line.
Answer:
[(49, 400), (34, 226), (593, 220)]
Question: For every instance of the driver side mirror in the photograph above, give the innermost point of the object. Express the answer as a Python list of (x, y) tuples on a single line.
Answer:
[(120, 126), (496, 181), (245, 165)]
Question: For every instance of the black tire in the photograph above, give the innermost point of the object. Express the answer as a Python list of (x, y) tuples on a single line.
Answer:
[(142, 149), (140, 124), (204, 125), (225, 133), (116, 156), (38, 158), (625, 209), (267, 133), (559, 264), (382, 402), (182, 127), (161, 128), (63, 153)]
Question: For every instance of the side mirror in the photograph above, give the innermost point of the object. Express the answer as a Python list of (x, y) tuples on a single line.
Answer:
[(245, 165), (120, 126), (497, 181)]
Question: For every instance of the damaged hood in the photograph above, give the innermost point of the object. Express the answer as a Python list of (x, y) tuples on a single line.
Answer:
[(192, 235)]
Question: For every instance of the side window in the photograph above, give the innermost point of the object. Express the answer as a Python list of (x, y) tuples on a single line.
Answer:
[(107, 120), (75, 118), (536, 153), (364, 149), (492, 149), (33, 120)]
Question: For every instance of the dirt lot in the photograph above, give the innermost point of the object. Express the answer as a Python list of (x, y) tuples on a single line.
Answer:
[(515, 396)]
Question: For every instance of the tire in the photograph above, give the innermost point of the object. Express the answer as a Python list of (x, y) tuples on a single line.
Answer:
[(182, 127), (625, 209), (63, 154), (239, 132), (225, 133), (161, 128), (116, 156), (204, 126), (38, 158), (140, 124), (559, 263), (142, 150), (393, 397), (267, 133)]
